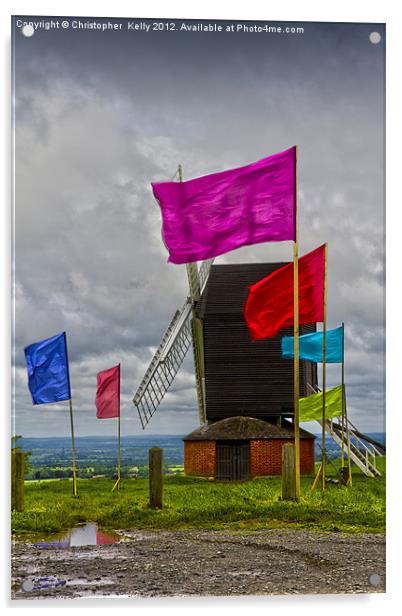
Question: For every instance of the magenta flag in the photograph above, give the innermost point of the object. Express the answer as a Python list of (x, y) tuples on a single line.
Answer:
[(213, 214), (107, 400)]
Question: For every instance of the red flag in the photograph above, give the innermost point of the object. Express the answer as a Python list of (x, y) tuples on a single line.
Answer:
[(107, 400), (269, 305)]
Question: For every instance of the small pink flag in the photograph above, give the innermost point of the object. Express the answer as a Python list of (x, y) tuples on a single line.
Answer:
[(107, 400)]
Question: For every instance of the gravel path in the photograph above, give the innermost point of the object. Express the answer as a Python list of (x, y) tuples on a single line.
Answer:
[(162, 563)]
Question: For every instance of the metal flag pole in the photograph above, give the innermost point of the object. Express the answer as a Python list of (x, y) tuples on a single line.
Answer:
[(324, 358), (343, 397), (296, 387), (75, 491)]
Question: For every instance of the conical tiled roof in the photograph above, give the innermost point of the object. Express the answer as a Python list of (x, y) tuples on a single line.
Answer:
[(244, 428)]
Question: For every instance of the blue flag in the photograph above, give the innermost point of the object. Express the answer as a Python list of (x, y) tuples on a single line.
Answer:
[(310, 346), (47, 363)]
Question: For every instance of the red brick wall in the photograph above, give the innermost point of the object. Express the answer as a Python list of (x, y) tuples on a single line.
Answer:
[(200, 458), (266, 456), (307, 456)]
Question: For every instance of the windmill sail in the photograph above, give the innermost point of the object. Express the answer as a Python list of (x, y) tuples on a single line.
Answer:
[(193, 281), (164, 364), (203, 273), (197, 279), (171, 352)]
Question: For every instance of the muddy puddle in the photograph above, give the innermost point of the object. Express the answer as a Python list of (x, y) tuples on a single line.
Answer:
[(79, 536)]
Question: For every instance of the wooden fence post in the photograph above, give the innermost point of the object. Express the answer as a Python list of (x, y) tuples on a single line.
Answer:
[(155, 477), (345, 475), (288, 472), (17, 480)]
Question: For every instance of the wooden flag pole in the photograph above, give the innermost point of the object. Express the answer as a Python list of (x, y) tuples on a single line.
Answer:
[(345, 426), (117, 484), (324, 358), (343, 397), (348, 436), (118, 451), (190, 267), (316, 478), (75, 491), (296, 387), (75, 488)]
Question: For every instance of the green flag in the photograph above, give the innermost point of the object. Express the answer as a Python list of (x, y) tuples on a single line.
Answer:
[(310, 408)]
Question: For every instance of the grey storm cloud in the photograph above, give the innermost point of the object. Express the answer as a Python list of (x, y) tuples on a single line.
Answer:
[(100, 117)]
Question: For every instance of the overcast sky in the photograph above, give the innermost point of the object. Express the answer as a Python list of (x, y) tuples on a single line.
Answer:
[(99, 115)]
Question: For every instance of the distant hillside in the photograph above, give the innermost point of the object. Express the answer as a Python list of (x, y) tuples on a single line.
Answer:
[(94, 450)]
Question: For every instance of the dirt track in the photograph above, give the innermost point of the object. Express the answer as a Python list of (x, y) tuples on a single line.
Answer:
[(161, 563)]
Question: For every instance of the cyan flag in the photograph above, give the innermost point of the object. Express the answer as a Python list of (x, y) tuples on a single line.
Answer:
[(310, 346), (47, 363)]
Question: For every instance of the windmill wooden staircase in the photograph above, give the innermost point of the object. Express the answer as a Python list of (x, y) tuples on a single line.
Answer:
[(363, 449), (363, 454)]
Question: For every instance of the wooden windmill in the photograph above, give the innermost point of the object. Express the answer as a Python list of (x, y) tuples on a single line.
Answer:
[(240, 384), (235, 377), (244, 389)]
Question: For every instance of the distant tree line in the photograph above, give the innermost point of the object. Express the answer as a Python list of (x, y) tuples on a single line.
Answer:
[(59, 472)]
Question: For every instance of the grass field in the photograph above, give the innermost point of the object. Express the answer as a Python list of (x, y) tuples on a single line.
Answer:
[(201, 503)]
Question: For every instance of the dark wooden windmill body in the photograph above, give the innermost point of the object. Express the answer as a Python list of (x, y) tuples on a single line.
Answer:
[(243, 377)]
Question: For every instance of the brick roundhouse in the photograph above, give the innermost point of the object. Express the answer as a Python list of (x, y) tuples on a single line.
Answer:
[(242, 448)]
